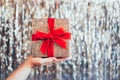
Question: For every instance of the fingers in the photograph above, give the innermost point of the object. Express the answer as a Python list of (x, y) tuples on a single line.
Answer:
[(32, 61), (43, 61), (46, 61)]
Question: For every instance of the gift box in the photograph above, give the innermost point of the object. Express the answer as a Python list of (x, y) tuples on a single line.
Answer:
[(50, 37)]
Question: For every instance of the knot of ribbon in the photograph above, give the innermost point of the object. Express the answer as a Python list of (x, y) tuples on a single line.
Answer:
[(58, 35)]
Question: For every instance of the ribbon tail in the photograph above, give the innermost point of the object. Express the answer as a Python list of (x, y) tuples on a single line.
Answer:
[(44, 46), (51, 49)]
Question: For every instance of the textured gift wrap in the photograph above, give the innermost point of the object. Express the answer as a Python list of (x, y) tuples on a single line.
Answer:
[(42, 26)]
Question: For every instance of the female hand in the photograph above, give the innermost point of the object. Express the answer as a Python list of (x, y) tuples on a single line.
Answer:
[(23, 71), (34, 61)]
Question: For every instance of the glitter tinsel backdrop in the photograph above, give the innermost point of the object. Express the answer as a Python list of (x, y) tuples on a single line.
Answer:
[(95, 44)]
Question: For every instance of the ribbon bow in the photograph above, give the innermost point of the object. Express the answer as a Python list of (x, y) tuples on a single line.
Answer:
[(56, 36)]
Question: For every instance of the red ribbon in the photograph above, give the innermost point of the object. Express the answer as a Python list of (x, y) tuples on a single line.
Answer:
[(56, 36)]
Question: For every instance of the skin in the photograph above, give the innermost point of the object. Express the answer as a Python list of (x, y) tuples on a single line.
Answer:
[(23, 71)]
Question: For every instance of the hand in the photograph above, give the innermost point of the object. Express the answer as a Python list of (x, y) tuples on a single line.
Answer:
[(22, 72), (33, 61)]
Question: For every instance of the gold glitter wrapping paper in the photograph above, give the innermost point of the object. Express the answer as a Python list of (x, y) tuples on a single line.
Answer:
[(42, 25)]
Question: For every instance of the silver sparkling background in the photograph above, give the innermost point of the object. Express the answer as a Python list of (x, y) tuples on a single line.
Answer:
[(95, 44)]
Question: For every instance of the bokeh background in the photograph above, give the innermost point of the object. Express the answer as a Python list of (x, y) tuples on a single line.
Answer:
[(95, 43)]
